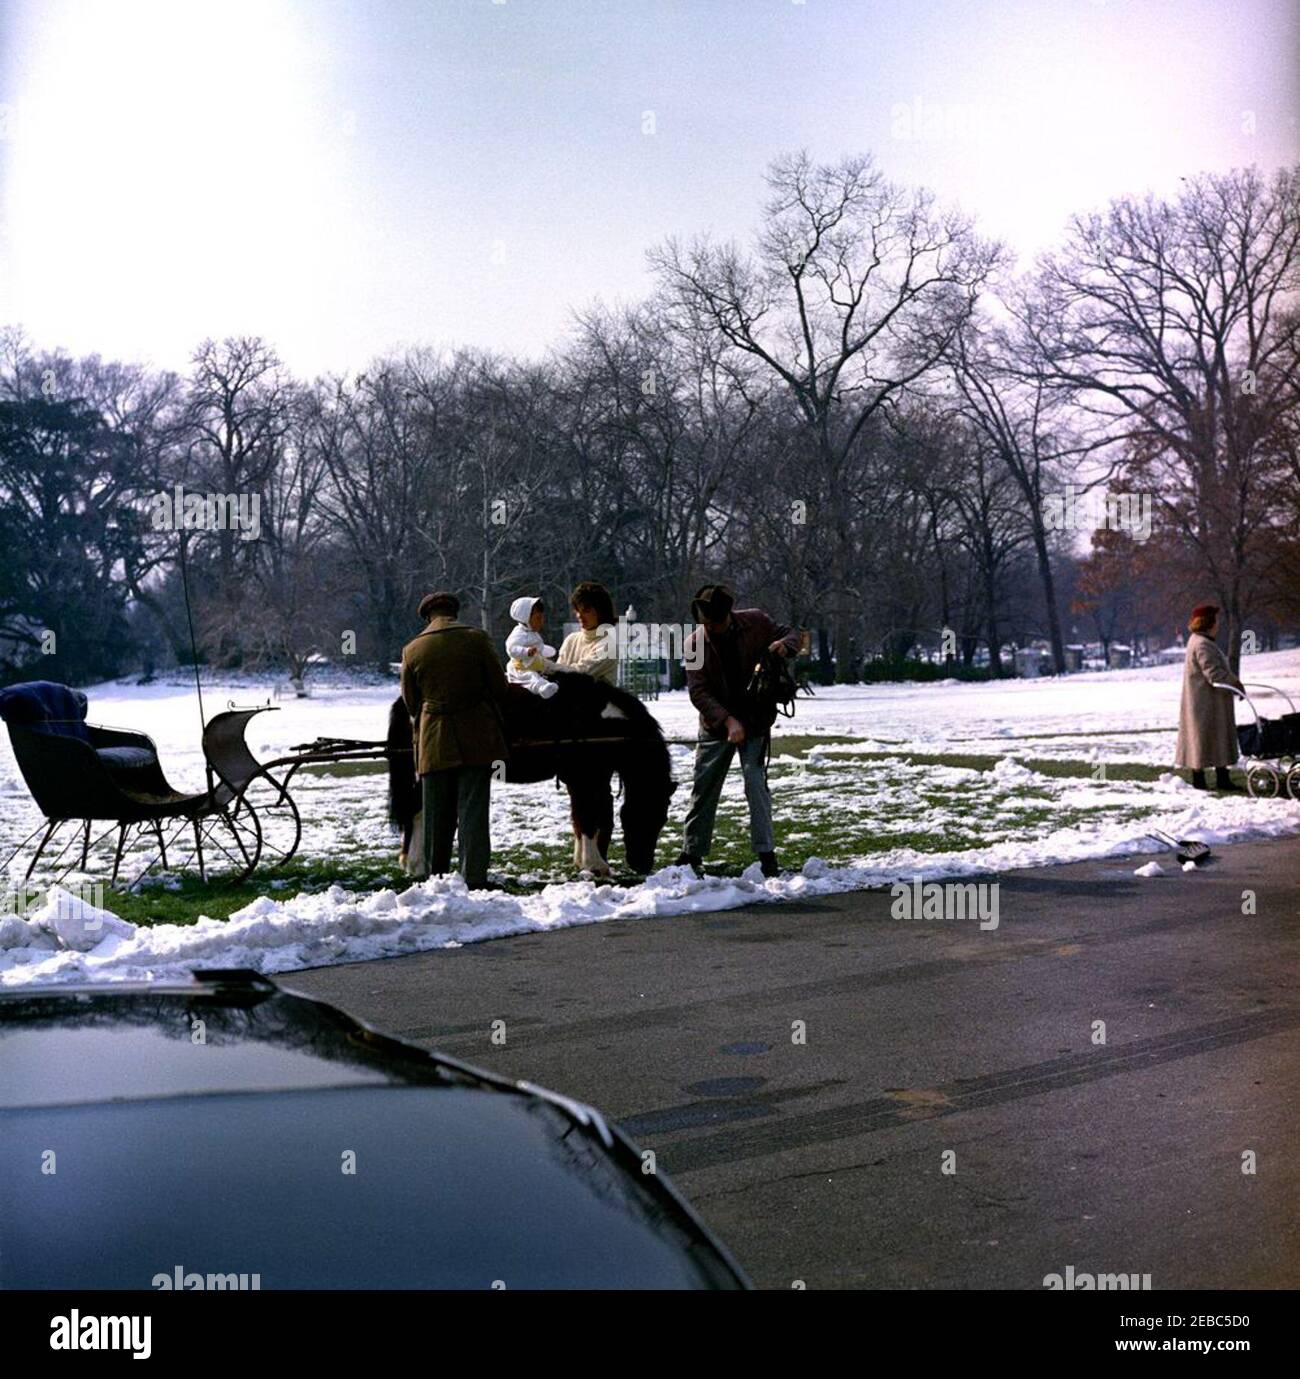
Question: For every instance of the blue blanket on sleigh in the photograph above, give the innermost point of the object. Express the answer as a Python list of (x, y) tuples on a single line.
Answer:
[(43, 704)]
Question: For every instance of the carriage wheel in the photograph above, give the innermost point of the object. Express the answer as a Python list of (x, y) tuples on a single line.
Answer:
[(1263, 782), (229, 842), (278, 816), (223, 846), (1293, 781)]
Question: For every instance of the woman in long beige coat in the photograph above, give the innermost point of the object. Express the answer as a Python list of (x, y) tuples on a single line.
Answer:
[(1207, 730)]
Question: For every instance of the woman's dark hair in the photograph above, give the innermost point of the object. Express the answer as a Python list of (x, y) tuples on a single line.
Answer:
[(595, 596)]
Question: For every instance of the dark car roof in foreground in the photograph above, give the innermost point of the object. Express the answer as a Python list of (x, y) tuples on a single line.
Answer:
[(231, 1126)]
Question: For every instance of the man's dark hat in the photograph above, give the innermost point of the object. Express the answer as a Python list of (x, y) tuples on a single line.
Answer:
[(438, 604), (712, 603)]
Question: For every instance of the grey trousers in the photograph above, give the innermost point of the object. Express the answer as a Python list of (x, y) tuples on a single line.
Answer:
[(455, 804), (712, 761)]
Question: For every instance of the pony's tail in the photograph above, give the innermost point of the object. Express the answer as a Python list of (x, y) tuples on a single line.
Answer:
[(403, 788)]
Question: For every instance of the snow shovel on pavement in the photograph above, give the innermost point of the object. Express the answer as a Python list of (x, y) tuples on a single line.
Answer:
[(1185, 849)]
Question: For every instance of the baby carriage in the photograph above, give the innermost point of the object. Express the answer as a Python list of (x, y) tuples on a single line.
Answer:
[(1270, 740)]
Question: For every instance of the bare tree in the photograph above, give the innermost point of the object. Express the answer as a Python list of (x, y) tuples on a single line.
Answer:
[(1175, 322), (240, 402), (854, 292), (510, 450), (676, 412), (297, 613), (376, 436), (1026, 424)]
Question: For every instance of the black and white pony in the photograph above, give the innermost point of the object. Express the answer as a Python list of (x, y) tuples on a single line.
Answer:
[(584, 735)]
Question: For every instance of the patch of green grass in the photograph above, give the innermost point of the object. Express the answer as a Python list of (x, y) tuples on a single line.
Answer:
[(813, 820), (797, 744), (814, 837)]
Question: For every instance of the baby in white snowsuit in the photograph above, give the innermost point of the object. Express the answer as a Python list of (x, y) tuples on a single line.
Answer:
[(528, 651)]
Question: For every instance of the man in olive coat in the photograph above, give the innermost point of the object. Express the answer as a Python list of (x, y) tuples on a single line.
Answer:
[(455, 691)]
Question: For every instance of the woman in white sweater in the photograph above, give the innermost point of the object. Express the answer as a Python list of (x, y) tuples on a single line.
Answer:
[(592, 650)]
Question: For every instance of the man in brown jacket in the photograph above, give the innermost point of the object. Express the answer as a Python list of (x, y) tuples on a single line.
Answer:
[(455, 691), (723, 652)]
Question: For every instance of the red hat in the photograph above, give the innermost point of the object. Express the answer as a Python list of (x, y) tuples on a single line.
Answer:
[(1205, 610)]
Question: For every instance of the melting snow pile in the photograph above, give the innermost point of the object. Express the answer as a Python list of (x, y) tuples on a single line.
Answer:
[(69, 940), (64, 923)]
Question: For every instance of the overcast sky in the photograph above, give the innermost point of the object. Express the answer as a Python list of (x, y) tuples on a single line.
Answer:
[(345, 176)]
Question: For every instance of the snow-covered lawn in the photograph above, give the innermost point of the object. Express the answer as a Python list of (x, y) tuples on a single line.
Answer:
[(850, 814)]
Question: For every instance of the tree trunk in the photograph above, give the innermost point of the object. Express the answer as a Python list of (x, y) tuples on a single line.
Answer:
[(1049, 595), (825, 666), (484, 614), (991, 627), (847, 670), (1232, 617)]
